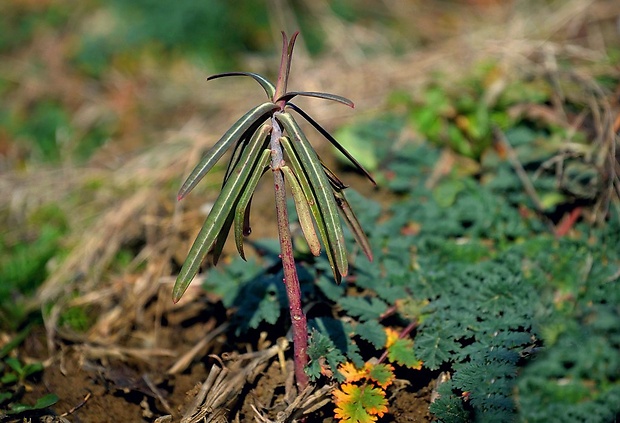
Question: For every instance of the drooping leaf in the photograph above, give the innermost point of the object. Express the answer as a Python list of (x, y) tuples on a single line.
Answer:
[(242, 209), (258, 113), (354, 225), (359, 146), (220, 212), (334, 180), (269, 88), (326, 96), (218, 246), (240, 145), (293, 160), (303, 212), (332, 140), (322, 189)]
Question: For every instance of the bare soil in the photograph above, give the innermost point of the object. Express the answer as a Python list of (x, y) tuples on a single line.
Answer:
[(98, 383)]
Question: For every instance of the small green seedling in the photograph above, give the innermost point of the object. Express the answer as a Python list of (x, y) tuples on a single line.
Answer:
[(13, 375), (269, 137)]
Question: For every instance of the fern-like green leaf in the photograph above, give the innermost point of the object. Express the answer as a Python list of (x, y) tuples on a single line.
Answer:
[(401, 352), (359, 404), (366, 308), (373, 332)]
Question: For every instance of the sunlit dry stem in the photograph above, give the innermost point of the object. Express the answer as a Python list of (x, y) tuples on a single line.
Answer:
[(291, 281)]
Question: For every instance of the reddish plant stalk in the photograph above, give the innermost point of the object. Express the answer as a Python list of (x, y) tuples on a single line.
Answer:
[(291, 281)]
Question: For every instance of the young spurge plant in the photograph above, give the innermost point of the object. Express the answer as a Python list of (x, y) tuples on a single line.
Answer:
[(268, 137)]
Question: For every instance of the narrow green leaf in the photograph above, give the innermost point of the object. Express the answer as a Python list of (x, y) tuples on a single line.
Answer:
[(239, 147), (220, 212), (326, 96), (322, 189), (354, 225), (269, 88), (334, 180), (220, 240), (241, 211), (233, 134), (293, 160), (42, 403), (15, 341), (303, 212), (332, 140)]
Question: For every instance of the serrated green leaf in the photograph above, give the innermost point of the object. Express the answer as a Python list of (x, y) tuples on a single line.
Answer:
[(401, 352), (448, 407), (337, 332), (359, 404), (434, 349), (232, 135), (268, 311), (372, 332), (322, 349), (366, 308), (383, 374)]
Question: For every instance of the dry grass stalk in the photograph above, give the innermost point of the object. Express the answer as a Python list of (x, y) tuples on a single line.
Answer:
[(219, 393)]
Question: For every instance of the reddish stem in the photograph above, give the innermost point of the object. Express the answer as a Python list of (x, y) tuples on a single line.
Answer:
[(285, 67), (291, 281)]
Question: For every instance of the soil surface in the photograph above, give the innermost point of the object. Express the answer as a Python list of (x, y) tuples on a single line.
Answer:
[(99, 384), (153, 363)]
